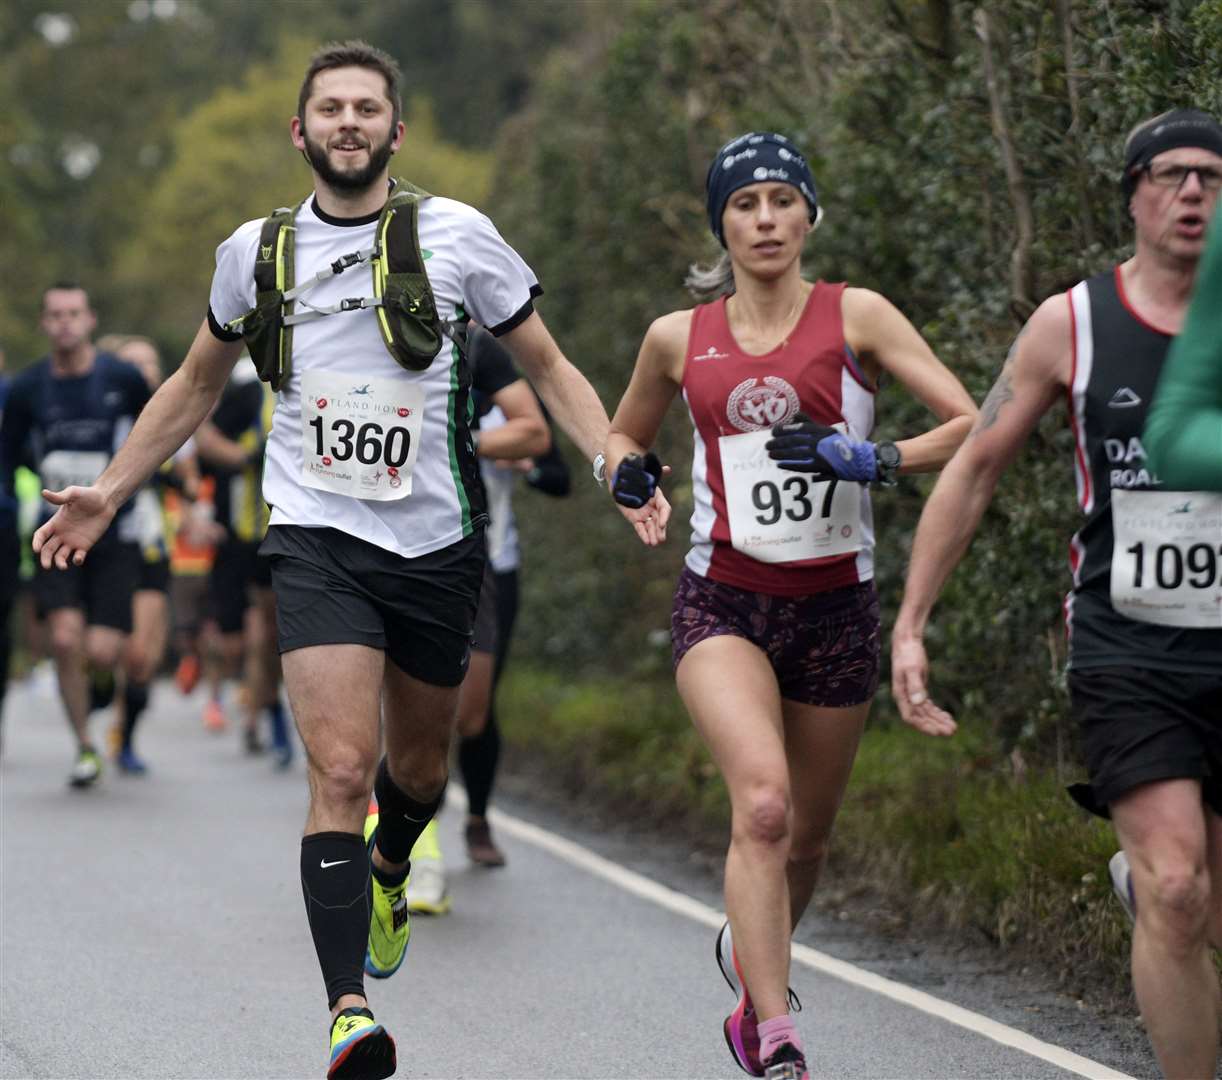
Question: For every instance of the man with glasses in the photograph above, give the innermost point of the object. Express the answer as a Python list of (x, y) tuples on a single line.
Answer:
[(1145, 644)]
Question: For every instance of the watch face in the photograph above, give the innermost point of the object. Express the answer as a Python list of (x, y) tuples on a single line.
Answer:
[(889, 455)]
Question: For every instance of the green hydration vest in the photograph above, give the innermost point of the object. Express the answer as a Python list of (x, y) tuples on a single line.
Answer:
[(402, 297)]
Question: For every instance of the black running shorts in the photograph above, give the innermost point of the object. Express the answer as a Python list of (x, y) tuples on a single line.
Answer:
[(102, 588), (485, 615), (237, 568), (332, 588), (154, 576), (1139, 725)]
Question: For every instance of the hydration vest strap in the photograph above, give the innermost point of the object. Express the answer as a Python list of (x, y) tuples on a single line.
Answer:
[(313, 314), (268, 338), (341, 264), (411, 328)]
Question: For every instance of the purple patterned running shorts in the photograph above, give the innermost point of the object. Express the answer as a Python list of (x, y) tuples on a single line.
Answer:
[(823, 647)]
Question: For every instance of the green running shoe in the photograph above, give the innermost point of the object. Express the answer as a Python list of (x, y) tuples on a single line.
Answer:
[(389, 923), (360, 1048)]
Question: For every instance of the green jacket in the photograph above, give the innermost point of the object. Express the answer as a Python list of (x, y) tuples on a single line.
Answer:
[(1183, 436)]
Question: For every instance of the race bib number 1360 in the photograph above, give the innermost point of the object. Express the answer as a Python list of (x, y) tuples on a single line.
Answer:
[(359, 437)]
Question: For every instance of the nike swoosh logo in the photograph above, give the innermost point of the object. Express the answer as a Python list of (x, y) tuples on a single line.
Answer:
[(338, 862)]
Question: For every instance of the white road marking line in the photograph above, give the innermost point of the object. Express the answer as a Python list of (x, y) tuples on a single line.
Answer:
[(681, 904)]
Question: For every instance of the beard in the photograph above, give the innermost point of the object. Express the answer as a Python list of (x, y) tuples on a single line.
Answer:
[(355, 180)]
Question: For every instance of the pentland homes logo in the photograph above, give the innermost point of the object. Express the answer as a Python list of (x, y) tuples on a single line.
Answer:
[(711, 353), (359, 400)]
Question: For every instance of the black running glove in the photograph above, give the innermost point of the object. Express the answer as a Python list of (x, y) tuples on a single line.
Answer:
[(805, 445), (636, 479)]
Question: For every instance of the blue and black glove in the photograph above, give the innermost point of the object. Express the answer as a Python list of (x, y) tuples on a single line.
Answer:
[(804, 445), (636, 479)]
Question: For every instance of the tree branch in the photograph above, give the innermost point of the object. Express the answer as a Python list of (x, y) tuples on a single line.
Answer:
[(1075, 125), (1022, 289)]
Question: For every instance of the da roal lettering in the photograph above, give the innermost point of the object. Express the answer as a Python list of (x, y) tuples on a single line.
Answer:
[(1133, 478), (1124, 451), (1132, 455)]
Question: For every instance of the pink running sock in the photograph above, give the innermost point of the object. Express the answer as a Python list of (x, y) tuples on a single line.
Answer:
[(776, 1031)]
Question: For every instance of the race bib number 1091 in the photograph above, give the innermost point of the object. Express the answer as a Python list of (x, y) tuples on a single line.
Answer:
[(777, 516), (359, 437), (1167, 557)]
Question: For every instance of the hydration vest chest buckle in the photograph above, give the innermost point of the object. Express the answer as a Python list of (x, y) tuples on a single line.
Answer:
[(351, 259)]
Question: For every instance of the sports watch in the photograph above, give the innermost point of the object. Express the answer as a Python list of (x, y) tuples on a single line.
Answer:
[(887, 459), (600, 468)]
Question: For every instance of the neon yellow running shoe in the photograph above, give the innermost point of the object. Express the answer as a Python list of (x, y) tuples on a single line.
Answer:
[(361, 1049), (389, 923), (426, 891)]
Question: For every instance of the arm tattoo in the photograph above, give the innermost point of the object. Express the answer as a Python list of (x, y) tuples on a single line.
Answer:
[(1001, 392)]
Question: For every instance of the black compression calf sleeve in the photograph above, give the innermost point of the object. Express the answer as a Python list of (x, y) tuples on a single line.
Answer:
[(101, 689), (401, 819), (477, 761), (135, 701), (335, 883)]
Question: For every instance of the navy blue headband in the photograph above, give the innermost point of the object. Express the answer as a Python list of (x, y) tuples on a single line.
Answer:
[(756, 158)]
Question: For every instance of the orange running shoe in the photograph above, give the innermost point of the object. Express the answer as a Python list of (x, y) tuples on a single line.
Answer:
[(214, 716), (114, 739), (186, 677)]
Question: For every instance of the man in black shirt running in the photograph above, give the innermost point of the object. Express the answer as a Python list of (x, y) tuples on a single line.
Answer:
[(1145, 648)]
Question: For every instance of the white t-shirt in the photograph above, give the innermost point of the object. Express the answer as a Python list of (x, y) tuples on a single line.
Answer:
[(471, 270), (503, 552)]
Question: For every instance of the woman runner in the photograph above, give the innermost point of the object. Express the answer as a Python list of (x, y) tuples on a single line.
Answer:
[(775, 625)]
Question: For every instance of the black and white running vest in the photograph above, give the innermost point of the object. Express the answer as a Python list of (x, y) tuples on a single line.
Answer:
[(1147, 562)]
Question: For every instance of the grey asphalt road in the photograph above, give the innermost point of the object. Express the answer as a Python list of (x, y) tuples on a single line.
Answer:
[(154, 927)]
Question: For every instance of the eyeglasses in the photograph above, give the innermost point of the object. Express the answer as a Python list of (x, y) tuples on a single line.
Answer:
[(1171, 175)]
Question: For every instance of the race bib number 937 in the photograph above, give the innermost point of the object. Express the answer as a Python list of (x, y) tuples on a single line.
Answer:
[(777, 516), (359, 437)]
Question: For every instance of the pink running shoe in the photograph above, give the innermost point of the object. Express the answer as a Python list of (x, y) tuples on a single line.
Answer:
[(786, 1063), (214, 716), (741, 1027)]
